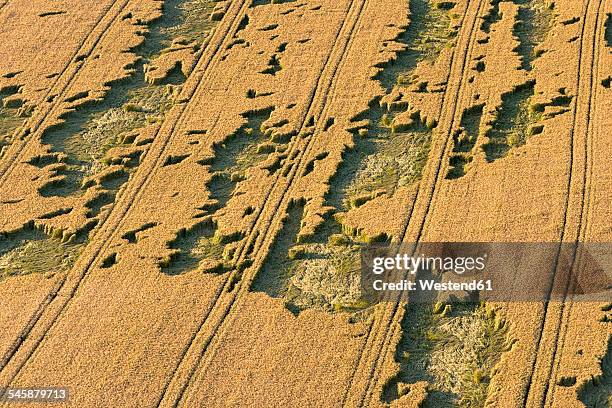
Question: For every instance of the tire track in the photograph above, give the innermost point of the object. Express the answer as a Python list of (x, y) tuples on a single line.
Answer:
[(8, 164), (579, 232), (248, 247), (411, 206), (130, 197), (63, 81), (387, 325), (584, 226), (430, 203)]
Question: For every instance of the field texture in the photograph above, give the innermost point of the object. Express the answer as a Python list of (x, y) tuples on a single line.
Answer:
[(185, 187)]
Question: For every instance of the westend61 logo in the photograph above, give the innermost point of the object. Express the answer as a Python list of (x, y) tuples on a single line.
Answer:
[(487, 271)]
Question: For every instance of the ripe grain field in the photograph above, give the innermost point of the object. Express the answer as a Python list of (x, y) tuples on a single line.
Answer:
[(186, 187), (322, 86), (575, 228), (62, 81), (89, 259), (392, 313), (16, 151)]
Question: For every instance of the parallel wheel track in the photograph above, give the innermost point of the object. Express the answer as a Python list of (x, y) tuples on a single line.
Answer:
[(578, 233), (67, 78), (127, 200), (388, 326), (6, 169), (8, 164), (255, 234)]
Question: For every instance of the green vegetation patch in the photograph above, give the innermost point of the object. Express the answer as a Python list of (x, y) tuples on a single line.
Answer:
[(453, 347), (464, 140), (515, 123), (198, 248), (246, 148), (33, 252), (87, 147), (598, 392), (385, 158), (325, 276), (434, 28), (535, 20), (398, 161), (429, 32), (9, 121), (186, 23), (321, 271)]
